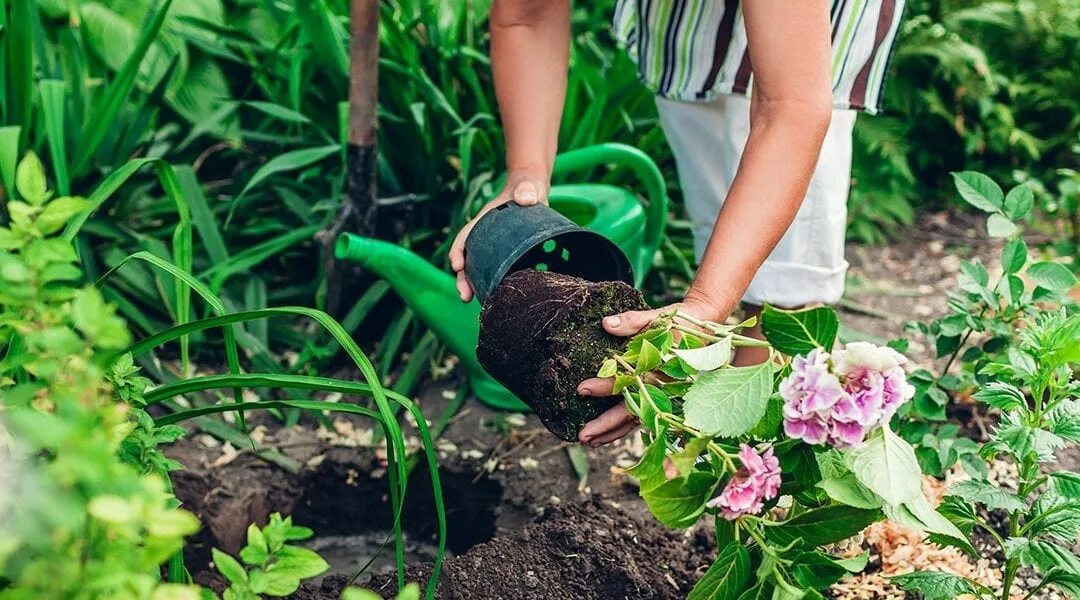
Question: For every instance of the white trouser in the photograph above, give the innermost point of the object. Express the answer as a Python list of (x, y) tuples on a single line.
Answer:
[(807, 266)]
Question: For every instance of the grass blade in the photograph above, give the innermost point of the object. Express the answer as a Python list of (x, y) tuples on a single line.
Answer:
[(53, 96), (19, 70), (202, 215), (311, 405), (9, 159), (290, 161)]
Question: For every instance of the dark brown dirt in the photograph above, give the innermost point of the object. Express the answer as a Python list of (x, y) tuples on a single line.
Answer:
[(589, 551), (540, 336)]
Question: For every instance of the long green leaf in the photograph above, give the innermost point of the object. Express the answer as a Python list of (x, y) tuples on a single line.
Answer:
[(290, 161), (182, 253), (202, 215), (19, 70), (313, 405), (116, 94), (53, 96), (9, 159), (103, 192)]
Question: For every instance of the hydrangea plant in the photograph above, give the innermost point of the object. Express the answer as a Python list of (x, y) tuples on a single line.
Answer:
[(788, 456)]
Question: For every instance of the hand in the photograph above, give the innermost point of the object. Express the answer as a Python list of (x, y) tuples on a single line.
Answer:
[(616, 422), (523, 186)]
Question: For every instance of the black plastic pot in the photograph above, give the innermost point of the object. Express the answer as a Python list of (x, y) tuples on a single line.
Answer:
[(514, 237)]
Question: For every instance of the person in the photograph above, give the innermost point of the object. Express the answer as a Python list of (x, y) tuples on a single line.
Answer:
[(757, 100)]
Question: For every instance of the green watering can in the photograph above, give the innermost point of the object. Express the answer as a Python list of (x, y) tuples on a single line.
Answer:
[(614, 212)]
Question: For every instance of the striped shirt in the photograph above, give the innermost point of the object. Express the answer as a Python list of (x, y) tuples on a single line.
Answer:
[(697, 49)]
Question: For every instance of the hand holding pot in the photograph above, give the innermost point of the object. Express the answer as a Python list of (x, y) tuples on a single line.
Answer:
[(616, 422), (523, 186)]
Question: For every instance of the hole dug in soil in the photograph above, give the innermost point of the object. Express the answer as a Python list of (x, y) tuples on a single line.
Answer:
[(593, 549), (346, 506)]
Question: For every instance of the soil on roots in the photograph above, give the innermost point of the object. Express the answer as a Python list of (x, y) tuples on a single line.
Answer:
[(540, 336), (592, 550)]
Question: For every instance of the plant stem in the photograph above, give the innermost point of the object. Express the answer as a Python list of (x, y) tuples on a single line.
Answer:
[(1012, 564)]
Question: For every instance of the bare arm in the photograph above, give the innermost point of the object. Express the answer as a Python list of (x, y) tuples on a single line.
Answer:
[(530, 53), (790, 108)]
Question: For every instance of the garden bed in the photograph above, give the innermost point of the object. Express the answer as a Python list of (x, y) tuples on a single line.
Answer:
[(523, 520)]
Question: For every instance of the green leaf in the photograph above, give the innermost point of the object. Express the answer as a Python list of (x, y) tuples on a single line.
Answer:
[(111, 509), (608, 368), (799, 332), (649, 470), (9, 156), (1018, 202), (770, 426), (1002, 396), (685, 459), (1014, 256), (887, 466), (935, 585), (979, 191), (1064, 580), (281, 584), (987, 494), (289, 161), (729, 402), (58, 212), (298, 562), (726, 578), (53, 95), (762, 590), (679, 502), (1066, 483), (1055, 516), (648, 358), (821, 526), (1052, 276), (817, 570), (1047, 556), (256, 552), (707, 358), (999, 226), (30, 180), (173, 523), (919, 514), (411, 591), (847, 490), (228, 567)]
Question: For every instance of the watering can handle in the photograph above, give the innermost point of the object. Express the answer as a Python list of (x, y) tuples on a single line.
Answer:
[(623, 156)]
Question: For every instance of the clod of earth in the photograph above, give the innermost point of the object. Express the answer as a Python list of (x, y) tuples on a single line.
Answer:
[(540, 336)]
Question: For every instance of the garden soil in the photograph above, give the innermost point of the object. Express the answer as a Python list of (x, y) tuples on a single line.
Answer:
[(589, 550), (540, 336)]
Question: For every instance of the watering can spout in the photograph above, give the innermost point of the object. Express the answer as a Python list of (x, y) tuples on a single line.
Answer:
[(427, 290), (432, 295)]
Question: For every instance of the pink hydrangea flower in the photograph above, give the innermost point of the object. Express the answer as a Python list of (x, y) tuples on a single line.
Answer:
[(757, 481), (838, 399), (878, 372)]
